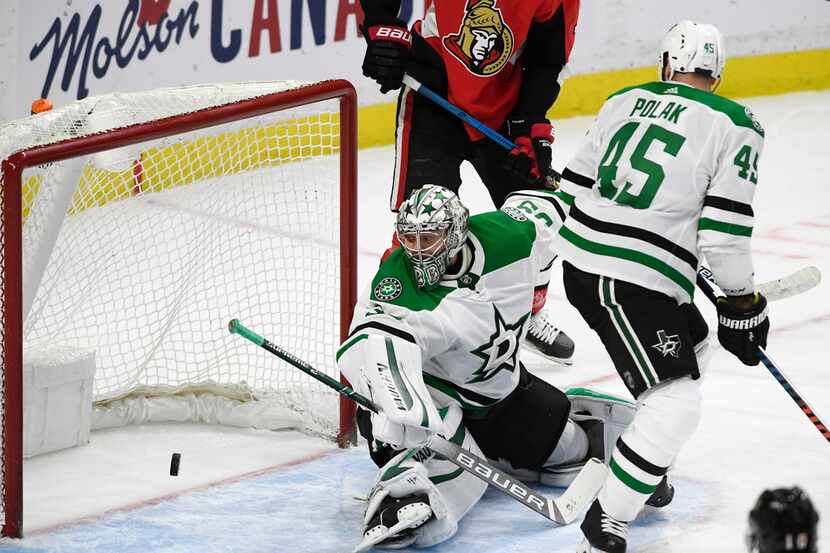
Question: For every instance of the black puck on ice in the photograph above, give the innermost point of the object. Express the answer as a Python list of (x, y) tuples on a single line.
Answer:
[(174, 464)]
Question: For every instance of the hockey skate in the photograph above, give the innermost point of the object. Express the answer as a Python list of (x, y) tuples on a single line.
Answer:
[(663, 495), (603, 533), (547, 340), (394, 523)]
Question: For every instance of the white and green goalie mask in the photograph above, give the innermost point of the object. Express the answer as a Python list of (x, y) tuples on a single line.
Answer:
[(431, 227)]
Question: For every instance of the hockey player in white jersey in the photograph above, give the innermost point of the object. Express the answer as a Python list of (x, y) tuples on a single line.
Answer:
[(436, 342), (666, 173)]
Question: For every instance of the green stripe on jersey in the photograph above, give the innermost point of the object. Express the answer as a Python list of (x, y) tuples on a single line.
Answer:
[(729, 228), (504, 239), (630, 255), (738, 114), (565, 197)]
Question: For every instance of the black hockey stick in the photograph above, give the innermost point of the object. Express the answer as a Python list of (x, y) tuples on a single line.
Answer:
[(562, 510), (706, 283)]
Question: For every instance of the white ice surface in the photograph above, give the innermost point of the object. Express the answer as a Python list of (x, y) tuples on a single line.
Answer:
[(268, 499)]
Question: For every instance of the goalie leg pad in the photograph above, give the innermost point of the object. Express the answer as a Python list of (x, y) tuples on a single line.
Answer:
[(451, 492), (602, 418), (614, 413), (394, 522)]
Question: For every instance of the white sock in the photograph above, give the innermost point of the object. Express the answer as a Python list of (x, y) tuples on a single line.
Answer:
[(666, 418)]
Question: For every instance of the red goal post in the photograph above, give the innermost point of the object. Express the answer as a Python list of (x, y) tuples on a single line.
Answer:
[(86, 144)]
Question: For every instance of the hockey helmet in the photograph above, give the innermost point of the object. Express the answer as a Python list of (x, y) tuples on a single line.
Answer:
[(691, 47), (431, 227), (782, 520)]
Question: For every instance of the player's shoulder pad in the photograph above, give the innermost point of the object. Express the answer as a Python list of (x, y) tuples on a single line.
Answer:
[(506, 236), (740, 115), (623, 90), (394, 283), (547, 206)]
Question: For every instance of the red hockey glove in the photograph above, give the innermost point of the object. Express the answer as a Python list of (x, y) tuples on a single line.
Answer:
[(530, 160), (387, 51)]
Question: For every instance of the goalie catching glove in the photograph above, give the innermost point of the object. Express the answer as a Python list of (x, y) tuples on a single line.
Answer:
[(743, 326), (388, 371)]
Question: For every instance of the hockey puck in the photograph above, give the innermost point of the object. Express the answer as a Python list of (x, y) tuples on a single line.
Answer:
[(174, 464)]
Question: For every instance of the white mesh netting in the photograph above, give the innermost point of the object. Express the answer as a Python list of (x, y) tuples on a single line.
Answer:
[(144, 253)]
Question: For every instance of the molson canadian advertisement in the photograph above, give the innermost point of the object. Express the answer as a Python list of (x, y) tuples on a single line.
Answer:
[(69, 49)]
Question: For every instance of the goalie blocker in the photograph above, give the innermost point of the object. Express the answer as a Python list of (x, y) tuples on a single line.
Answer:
[(532, 433), (523, 429)]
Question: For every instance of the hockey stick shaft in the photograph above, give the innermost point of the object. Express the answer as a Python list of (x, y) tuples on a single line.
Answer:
[(423, 90), (704, 284), (562, 510)]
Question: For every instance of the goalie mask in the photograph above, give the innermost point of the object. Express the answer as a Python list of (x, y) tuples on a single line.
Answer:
[(431, 227)]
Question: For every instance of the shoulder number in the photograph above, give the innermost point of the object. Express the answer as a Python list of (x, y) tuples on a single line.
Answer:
[(607, 171), (742, 162)]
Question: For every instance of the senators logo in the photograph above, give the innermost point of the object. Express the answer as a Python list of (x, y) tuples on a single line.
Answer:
[(484, 42)]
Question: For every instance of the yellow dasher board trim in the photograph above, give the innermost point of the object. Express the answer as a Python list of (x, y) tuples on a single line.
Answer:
[(207, 157), (760, 75)]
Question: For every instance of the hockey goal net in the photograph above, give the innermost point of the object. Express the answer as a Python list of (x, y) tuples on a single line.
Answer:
[(137, 225)]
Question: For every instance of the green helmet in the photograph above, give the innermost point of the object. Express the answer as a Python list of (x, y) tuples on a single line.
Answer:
[(431, 226)]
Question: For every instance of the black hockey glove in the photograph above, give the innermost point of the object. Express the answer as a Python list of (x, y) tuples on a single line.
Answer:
[(743, 326), (530, 160), (387, 51)]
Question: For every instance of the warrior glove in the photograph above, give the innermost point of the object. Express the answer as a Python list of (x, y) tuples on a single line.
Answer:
[(743, 326), (388, 46)]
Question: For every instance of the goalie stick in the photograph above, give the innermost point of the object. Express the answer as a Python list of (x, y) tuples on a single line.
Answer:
[(708, 288), (562, 510), (780, 288)]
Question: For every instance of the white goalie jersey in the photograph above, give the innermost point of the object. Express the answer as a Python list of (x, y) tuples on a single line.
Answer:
[(666, 172), (469, 327)]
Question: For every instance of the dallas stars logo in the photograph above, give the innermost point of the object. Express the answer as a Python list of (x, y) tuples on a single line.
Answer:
[(667, 345), (388, 289), (501, 351)]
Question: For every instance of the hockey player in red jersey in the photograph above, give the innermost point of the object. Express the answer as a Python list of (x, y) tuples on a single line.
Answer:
[(500, 62)]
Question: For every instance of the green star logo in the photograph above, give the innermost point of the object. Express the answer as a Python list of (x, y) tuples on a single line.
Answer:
[(388, 289), (500, 352)]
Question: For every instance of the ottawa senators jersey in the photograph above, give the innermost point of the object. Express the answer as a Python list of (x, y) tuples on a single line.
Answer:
[(485, 44)]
